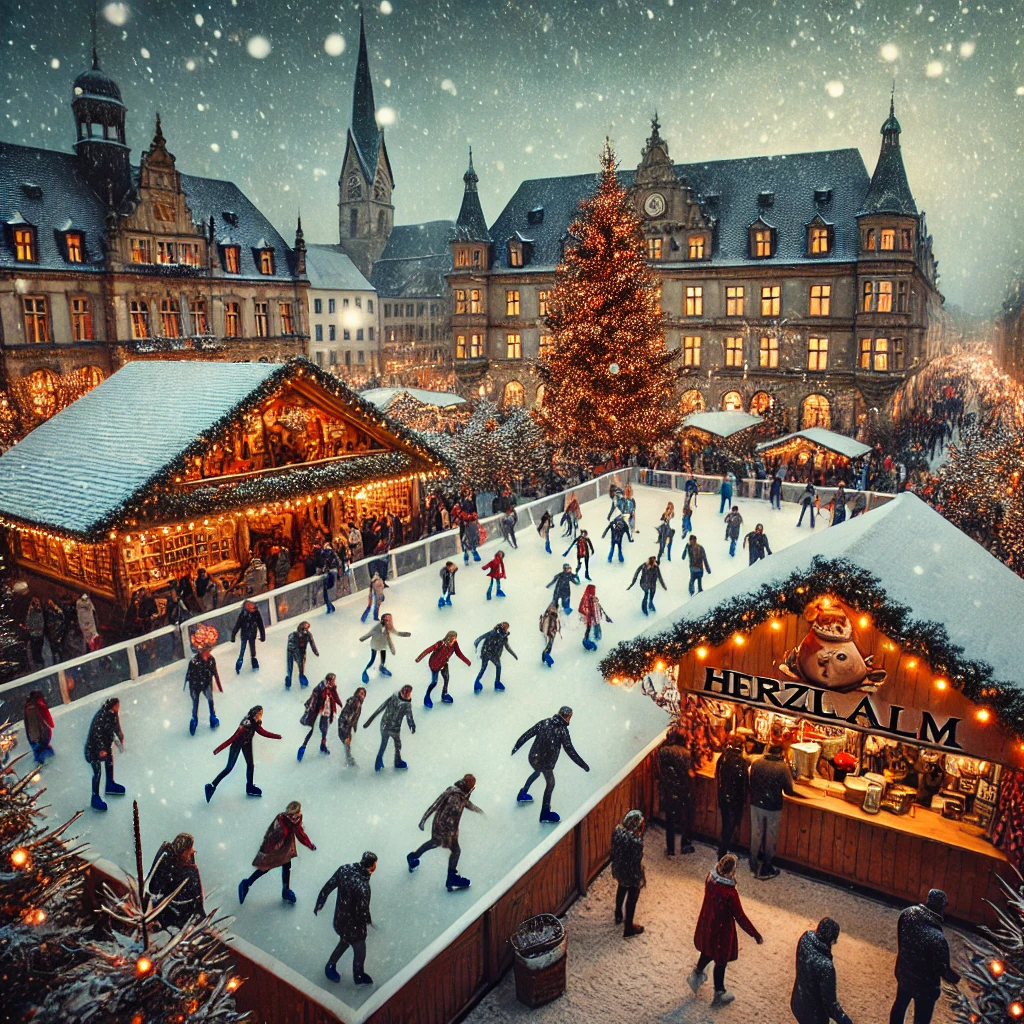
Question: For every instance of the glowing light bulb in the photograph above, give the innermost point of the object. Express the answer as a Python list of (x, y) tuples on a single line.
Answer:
[(739, 640), (776, 624), (233, 983), (143, 965), (983, 715), (912, 663), (864, 622), (997, 967), (941, 684), (20, 857), (702, 653)]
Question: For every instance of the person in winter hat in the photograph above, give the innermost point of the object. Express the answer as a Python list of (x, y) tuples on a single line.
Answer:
[(175, 865), (571, 516), (322, 703), (440, 654), (299, 641), (618, 528), (444, 831), (507, 525), (374, 597), (715, 935), (278, 851), (560, 581), (250, 625), (38, 726), (550, 627), (544, 530), (469, 534), (665, 537), (447, 584), (922, 959), (698, 564), (733, 522), (627, 857), (675, 776), (550, 737), (649, 575), (85, 613), (200, 677), (351, 915), (770, 781), (396, 710), (240, 742), (329, 566), (591, 614), (732, 781), (495, 570), (814, 999), (104, 732), (380, 643), (348, 722), (495, 643), (757, 544), (807, 499)]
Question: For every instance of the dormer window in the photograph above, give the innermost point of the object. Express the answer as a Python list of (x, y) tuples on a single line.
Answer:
[(888, 239), (867, 240), (535, 216), (266, 262), (515, 254), (698, 247), (819, 237), (762, 240), (25, 244), (73, 247), (232, 260), (141, 252)]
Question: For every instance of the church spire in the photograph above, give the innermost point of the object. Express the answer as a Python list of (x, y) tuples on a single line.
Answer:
[(365, 131), (890, 191), (471, 225)]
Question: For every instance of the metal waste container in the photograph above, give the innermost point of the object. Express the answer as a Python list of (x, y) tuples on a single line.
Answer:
[(539, 945)]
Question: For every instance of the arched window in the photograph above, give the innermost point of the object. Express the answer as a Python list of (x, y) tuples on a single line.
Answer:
[(815, 412), (514, 394), (692, 401), (732, 401), (539, 400), (353, 222), (761, 402)]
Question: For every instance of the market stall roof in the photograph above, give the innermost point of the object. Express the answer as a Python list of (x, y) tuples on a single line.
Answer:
[(81, 471), (822, 438), (383, 397), (721, 424)]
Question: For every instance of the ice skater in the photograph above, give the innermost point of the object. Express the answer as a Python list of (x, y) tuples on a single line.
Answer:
[(495, 570), (591, 614), (444, 830), (619, 528), (348, 722), (322, 703), (330, 568), (447, 584), (104, 732), (649, 575), (241, 743), (507, 525), (380, 643), (299, 641), (440, 654), (250, 625), (469, 533), (571, 516), (584, 549), (627, 855), (561, 583), (690, 490), (351, 915), (38, 726), (174, 873), (495, 643), (550, 627), (728, 482), (757, 544), (278, 851), (544, 530), (837, 506), (550, 737), (733, 522), (200, 677), (688, 507), (628, 507), (775, 492), (807, 499), (698, 564), (665, 537), (374, 597), (396, 709)]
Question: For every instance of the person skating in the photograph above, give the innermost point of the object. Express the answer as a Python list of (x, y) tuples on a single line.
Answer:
[(396, 709), (348, 722), (814, 999), (550, 737), (728, 481), (560, 581), (507, 525), (770, 780), (715, 935), (675, 777), (628, 506), (698, 564), (175, 865), (687, 516), (200, 677), (757, 544), (323, 704), (860, 505), (571, 516), (329, 567), (240, 742), (104, 732), (495, 570), (837, 506), (351, 915), (550, 627), (444, 830), (440, 654), (922, 959), (591, 613), (447, 584), (690, 490), (732, 781), (649, 575), (807, 499), (374, 597), (665, 537), (733, 522), (380, 643), (775, 493), (495, 643), (544, 530), (299, 641), (619, 528), (469, 534), (627, 856), (278, 851), (250, 625), (584, 549), (38, 726)]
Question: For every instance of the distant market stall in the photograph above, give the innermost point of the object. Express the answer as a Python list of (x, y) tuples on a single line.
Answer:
[(420, 408), (901, 711), (820, 448), (729, 431), (167, 463)]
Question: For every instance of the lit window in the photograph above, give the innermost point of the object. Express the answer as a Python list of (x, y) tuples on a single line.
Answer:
[(461, 258), (771, 300), (732, 401), (692, 401), (817, 240), (762, 244), (73, 241), (691, 350), (475, 305), (460, 300), (477, 253), (546, 347), (188, 253), (815, 412), (768, 353), (512, 302), (868, 296), (318, 305), (139, 312), (734, 301), (141, 251), (25, 245), (902, 297), (267, 262), (164, 252), (888, 239), (37, 319), (897, 353), (81, 320), (865, 353), (733, 351), (881, 357), (514, 395), (542, 303), (868, 240), (476, 346), (460, 347), (821, 300), (284, 310), (164, 212), (905, 239), (694, 300), (232, 320), (515, 255), (885, 296), (260, 311), (231, 260), (170, 318), (654, 248), (513, 346), (761, 402), (817, 353), (318, 332), (696, 247)]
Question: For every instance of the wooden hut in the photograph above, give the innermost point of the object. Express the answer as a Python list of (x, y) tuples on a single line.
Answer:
[(815, 447)]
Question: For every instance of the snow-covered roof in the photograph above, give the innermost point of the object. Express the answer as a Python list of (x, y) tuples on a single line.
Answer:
[(382, 397), (722, 424), (838, 443), (330, 269)]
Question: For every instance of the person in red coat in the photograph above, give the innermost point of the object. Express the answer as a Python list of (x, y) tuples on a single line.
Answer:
[(440, 654), (278, 851), (495, 569), (715, 937), (241, 743)]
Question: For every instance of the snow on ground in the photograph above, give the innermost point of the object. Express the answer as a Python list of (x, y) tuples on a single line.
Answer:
[(348, 811), (643, 979)]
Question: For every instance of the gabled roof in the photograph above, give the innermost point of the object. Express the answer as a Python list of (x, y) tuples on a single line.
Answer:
[(415, 260), (330, 269), (723, 423), (383, 397), (829, 439)]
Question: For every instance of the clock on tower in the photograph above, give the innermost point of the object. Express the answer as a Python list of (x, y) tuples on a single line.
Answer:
[(654, 204)]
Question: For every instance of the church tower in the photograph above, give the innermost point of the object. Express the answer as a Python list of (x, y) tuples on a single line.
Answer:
[(365, 213)]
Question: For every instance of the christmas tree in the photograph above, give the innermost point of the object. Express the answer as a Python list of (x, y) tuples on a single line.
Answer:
[(609, 381)]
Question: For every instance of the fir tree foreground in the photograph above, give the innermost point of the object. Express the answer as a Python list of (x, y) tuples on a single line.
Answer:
[(609, 381)]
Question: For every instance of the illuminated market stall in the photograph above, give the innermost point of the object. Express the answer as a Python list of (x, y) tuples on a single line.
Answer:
[(815, 447), (730, 430), (170, 463), (884, 656)]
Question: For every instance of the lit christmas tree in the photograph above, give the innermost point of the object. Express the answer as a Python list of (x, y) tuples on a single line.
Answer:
[(609, 381)]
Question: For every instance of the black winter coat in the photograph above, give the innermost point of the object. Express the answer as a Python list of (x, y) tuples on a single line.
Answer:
[(676, 785), (628, 858), (250, 625), (922, 958), (105, 725), (770, 778), (352, 907), (348, 720), (397, 709), (167, 873), (550, 737), (448, 579), (619, 529), (649, 576), (758, 543), (447, 811), (561, 584), (495, 643), (814, 999), (200, 674), (732, 774)]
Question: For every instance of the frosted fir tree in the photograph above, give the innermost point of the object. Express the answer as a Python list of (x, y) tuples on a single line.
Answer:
[(609, 383)]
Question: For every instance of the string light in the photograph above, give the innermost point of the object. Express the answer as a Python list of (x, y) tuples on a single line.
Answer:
[(996, 968), (143, 965), (20, 857)]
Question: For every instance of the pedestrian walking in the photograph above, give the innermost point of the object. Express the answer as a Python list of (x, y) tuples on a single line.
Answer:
[(675, 776), (35, 626), (351, 915), (348, 722), (240, 742), (814, 999), (922, 959), (560, 581), (544, 530), (104, 733), (550, 627), (444, 830), (837, 506), (550, 737), (756, 543), (323, 703), (394, 711), (591, 613), (618, 528), (495, 643), (733, 522), (732, 783), (495, 570), (627, 856), (807, 500), (698, 564), (174, 871), (200, 678), (38, 726), (440, 654), (380, 643), (447, 584), (770, 781), (278, 851), (249, 625)]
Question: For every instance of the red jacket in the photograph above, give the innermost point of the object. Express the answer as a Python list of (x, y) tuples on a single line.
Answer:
[(440, 654), (495, 568), (720, 912), (243, 735)]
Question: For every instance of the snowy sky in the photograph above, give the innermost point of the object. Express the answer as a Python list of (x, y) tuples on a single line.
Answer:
[(259, 91)]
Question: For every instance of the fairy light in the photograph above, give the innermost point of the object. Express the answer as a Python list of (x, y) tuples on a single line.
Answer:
[(738, 639), (20, 857), (143, 965), (983, 715), (912, 663), (996, 968), (233, 984), (776, 625), (941, 684), (1016, 1009), (702, 653)]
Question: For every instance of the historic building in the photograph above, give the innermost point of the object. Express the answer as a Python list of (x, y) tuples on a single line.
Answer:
[(1008, 349), (102, 262), (798, 279)]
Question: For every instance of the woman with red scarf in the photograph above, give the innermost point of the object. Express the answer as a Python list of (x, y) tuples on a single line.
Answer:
[(591, 614), (440, 654), (278, 851), (495, 570)]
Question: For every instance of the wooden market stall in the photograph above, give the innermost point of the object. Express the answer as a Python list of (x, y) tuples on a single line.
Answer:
[(730, 430), (895, 694), (815, 448)]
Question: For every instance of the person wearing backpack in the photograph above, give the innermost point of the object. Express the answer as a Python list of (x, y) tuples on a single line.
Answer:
[(732, 780)]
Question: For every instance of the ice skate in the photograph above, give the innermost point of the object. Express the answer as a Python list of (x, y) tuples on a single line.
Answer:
[(210, 790), (365, 676), (378, 765), (214, 721), (301, 754), (448, 601), (238, 666), (287, 684), (303, 680), (722, 998), (385, 672), (332, 973), (500, 687), (695, 980), (549, 818), (243, 890), (427, 702), (400, 766), (287, 895), (362, 618), (253, 791), (113, 788), (362, 978), (589, 645), (255, 665), (547, 659), (447, 698), (413, 861), (97, 803), (476, 556), (192, 725), (477, 686), (501, 593), (523, 797), (455, 881), (440, 602), (323, 749)]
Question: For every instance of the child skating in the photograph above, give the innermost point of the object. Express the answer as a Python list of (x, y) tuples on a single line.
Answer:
[(299, 641), (447, 584), (396, 709), (550, 627), (591, 613), (444, 830), (380, 643), (322, 703), (348, 722), (278, 851), (440, 654), (495, 570), (200, 677), (241, 743), (571, 517), (495, 643)]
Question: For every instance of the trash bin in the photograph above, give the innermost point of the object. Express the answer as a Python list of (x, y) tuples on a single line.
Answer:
[(539, 945)]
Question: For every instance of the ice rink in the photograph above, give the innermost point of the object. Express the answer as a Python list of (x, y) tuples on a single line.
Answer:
[(347, 810)]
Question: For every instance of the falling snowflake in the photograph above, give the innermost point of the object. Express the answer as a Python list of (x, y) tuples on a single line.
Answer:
[(334, 44), (890, 52), (933, 69), (385, 7), (835, 89), (116, 13), (449, 86), (258, 47), (386, 116)]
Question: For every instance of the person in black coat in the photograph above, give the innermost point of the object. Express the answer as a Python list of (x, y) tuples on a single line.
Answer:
[(676, 790), (732, 780), (495, 643), (757, 544), (814, 999), (200, 677), (618, 528), (560, 581), (922, 959), (240, 742), (351, 915), (649, 575), (250, 624), (627, 857), (550, 737), (104, 732), (175, 865)]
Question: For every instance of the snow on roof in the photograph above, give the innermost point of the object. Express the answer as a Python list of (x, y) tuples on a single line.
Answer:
[(919, 559), (723, 424), (838, 443), (329, 268), (382, 397)]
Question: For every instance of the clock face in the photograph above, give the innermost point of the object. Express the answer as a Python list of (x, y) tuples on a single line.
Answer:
[(654, 204)]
